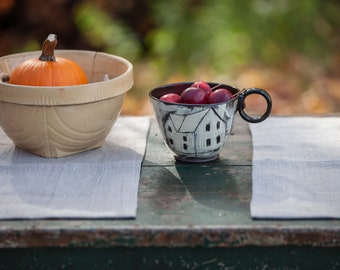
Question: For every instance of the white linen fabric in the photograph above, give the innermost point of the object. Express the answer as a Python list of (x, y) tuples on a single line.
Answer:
[(296, 168), (100, 183)]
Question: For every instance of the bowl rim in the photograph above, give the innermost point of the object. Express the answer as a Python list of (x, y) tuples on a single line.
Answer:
[(68, 95)]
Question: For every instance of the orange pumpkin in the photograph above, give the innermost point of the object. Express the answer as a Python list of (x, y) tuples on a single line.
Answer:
[(48, 70)]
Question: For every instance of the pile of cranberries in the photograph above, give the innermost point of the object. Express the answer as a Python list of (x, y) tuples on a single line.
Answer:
[(199, 93)]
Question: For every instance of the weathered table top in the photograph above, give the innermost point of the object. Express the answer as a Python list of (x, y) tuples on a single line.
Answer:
[(181, 205)]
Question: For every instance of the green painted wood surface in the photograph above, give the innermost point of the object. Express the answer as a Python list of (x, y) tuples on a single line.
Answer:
[(246, 258), (199, 209)]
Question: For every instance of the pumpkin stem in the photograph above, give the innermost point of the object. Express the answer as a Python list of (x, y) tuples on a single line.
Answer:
[(47, 51)]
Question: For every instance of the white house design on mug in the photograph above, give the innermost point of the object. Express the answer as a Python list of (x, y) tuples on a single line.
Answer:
[(202, 131)]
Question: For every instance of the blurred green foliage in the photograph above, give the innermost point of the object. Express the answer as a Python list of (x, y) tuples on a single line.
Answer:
[(219, 35), (101, 31)]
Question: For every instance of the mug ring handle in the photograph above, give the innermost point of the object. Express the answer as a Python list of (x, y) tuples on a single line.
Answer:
[(241, 104)]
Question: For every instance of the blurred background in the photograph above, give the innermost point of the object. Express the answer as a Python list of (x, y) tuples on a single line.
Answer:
[(290, 48)]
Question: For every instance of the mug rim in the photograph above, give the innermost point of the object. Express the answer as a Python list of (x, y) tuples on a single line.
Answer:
[(165, 89)]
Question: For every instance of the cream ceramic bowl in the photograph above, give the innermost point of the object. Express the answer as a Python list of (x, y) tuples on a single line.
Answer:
[(61, 121)]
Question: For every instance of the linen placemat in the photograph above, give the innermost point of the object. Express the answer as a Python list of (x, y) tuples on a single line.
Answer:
[(100, 183), (296, 168)]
